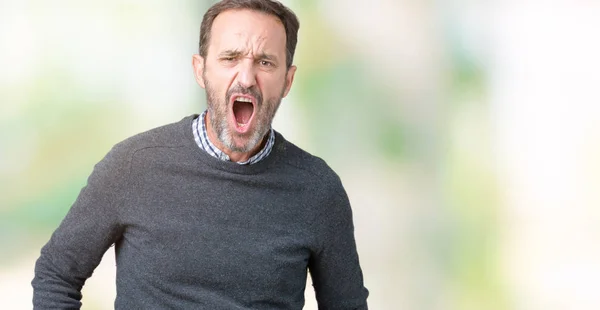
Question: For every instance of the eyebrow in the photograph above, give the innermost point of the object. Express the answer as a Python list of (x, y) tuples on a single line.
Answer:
[(237, 53), (266, 56), (230, 53)]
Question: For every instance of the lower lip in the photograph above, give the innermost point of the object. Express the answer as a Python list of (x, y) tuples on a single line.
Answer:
[(241, 129)]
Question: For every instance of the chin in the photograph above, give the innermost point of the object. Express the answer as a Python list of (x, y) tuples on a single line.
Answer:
[(243, 143)]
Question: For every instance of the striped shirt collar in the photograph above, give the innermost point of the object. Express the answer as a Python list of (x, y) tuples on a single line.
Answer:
[(201, 137)]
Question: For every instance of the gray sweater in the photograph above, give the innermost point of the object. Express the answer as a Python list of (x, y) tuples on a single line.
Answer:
[(193, 232)]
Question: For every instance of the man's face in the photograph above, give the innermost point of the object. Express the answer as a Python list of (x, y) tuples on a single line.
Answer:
[(245, 77)]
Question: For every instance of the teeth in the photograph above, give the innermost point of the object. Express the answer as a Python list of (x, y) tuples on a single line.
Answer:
[(242, 125), (243, 99)]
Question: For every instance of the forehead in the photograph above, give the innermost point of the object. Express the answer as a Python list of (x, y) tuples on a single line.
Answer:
[(247, 30)]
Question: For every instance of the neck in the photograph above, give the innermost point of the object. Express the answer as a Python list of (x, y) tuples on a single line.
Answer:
[(233, 155)]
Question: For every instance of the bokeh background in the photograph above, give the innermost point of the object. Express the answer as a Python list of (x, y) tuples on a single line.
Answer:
[(467, 134)]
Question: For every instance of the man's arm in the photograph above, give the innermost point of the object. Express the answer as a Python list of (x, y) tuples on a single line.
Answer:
[(335, 269), (76, 247)]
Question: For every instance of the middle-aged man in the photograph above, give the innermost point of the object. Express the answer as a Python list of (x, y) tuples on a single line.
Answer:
[(218, 210)]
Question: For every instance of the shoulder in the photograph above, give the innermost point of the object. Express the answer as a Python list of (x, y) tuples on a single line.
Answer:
[(327, 197), (166, 136), (314, 167), (169, 135)]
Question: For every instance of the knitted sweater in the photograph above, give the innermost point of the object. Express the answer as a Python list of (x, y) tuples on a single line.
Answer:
[(193, 232)]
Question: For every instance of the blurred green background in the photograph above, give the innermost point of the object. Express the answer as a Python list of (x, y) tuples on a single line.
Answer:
[(466, 135)]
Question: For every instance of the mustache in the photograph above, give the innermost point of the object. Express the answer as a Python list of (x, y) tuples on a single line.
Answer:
[(239, 89)]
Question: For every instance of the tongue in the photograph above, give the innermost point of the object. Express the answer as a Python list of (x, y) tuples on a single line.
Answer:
[(242, 111)]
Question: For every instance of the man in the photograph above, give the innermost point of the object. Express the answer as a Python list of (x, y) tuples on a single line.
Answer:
[(216, 211)]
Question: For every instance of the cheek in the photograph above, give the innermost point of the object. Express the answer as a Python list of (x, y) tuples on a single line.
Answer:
[(272, 86), (220, 79)]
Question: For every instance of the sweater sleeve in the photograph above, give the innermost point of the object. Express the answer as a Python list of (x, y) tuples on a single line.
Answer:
[(76, 247), (335, 269)]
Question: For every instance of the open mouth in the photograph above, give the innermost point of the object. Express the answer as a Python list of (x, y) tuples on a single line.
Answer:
[(243, 109)]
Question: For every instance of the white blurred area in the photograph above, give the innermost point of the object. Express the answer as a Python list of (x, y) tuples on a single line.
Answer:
[(543, 63), (546, 109), (118, 50)]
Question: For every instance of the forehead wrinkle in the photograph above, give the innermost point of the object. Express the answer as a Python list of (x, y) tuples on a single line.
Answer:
[(252, 45), (243, 35)]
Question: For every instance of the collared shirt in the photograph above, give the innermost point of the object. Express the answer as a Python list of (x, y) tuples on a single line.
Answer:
[(201, 137)]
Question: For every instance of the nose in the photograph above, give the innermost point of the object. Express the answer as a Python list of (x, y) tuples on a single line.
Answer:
[(247, 75)]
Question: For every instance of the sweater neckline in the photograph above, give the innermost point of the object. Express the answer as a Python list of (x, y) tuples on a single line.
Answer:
[(205, 158)]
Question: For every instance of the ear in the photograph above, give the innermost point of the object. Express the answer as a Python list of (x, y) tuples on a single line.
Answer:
[(289, 79), (198, 65)]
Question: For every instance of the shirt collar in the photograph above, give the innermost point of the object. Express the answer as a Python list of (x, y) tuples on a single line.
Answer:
[(201, 137)]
